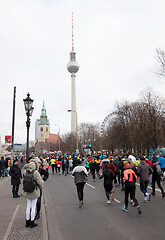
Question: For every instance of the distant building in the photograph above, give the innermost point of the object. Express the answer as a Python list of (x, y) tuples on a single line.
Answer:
[(36, 129), (45, 139)]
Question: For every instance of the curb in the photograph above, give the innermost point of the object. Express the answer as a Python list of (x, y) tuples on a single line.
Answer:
[(45, 234)]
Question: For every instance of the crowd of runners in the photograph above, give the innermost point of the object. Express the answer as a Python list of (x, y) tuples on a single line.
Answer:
[(116, 172)]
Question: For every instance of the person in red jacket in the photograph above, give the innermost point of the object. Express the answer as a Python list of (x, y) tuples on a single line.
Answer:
[(112, 167), (58, 164), (130, 187)]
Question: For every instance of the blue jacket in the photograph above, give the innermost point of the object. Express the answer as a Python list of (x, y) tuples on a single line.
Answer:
[(161, 162)]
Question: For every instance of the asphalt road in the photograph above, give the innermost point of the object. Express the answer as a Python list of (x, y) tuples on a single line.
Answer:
[(96, 220)]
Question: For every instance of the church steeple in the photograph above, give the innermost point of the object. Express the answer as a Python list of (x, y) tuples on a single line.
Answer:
[(43, 117)]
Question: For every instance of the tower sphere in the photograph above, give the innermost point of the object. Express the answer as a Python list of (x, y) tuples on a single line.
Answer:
[(73, 66)]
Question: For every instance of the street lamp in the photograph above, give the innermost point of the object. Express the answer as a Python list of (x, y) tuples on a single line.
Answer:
[(28, 102), (58, 136), (77, 150)]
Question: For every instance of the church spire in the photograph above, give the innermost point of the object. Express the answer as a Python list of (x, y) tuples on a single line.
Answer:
[(43, 117)]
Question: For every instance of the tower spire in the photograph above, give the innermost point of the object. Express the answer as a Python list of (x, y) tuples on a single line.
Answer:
[(72, 34)]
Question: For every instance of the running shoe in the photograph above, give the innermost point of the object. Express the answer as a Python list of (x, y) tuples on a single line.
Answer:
[(133, 204), (125, 208), (108, 202), (145, 199), (139, 210), (148, 196), (80, 204)]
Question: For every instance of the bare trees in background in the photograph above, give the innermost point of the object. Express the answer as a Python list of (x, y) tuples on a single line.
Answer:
[(133, 126), (140, 125)]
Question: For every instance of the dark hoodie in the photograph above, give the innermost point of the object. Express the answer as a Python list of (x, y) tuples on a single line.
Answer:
[(2, 163)]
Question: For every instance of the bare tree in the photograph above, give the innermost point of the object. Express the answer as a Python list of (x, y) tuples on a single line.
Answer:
[(160, 57)]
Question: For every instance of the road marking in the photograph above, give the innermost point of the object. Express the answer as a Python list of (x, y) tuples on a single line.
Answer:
[(90, 185), (117, 200), (150, 187), (11, 223)]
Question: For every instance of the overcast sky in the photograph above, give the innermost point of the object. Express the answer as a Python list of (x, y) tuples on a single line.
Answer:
[(115, 42)]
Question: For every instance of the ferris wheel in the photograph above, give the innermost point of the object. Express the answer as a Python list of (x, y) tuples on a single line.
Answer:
[(104, 123)]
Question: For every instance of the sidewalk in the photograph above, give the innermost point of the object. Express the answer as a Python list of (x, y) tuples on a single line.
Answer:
[(12, 216)]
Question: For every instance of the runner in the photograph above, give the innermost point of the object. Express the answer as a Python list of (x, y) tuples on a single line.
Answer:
[(144, 171), (52, 162), (97, 160), (130, 187), (92, 167), (108, 176), (80, 177), (117, 164), (156, 177)]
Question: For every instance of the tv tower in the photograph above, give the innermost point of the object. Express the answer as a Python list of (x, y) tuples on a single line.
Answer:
[(73, 68)]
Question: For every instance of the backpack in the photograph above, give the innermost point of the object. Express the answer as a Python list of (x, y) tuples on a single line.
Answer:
[(124, 162), (28, 182), (158, 169)]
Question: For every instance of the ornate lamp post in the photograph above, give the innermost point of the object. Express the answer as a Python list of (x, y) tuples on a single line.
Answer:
[(28, 102)]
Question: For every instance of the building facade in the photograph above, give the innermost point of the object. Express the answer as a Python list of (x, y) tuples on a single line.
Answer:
[(45, 140)]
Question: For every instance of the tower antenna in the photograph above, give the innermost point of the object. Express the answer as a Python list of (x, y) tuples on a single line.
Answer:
[(72, 34)]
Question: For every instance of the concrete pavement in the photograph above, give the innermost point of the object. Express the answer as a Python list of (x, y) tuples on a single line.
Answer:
[(12, 216), (63, 220)]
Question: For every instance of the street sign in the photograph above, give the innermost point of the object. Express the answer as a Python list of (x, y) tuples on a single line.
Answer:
[(87, 148), (7, 139)]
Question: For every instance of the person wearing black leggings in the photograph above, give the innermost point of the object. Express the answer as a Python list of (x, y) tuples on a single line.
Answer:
[(80, 177), (156, 177), (130, 187), (108, 182)]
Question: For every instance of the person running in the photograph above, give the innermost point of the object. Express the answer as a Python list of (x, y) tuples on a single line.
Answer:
[(52, 162), (32, 196), (161, 160), (156, 177), (58, 163), (130, 187), (123, 163), (87, 165), (144, 171), (97, 160), (80, 177), (117, 164), (108, 176), (70, 164), (92, 169), (16, 177)]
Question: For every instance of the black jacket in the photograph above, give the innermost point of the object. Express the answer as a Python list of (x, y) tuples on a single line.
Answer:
[(155, 175), (2, 163), (108, 177), (117, 164), (44, 173), (15, 174)]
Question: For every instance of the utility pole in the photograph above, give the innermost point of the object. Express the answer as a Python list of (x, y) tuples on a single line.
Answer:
[(13, 120)]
